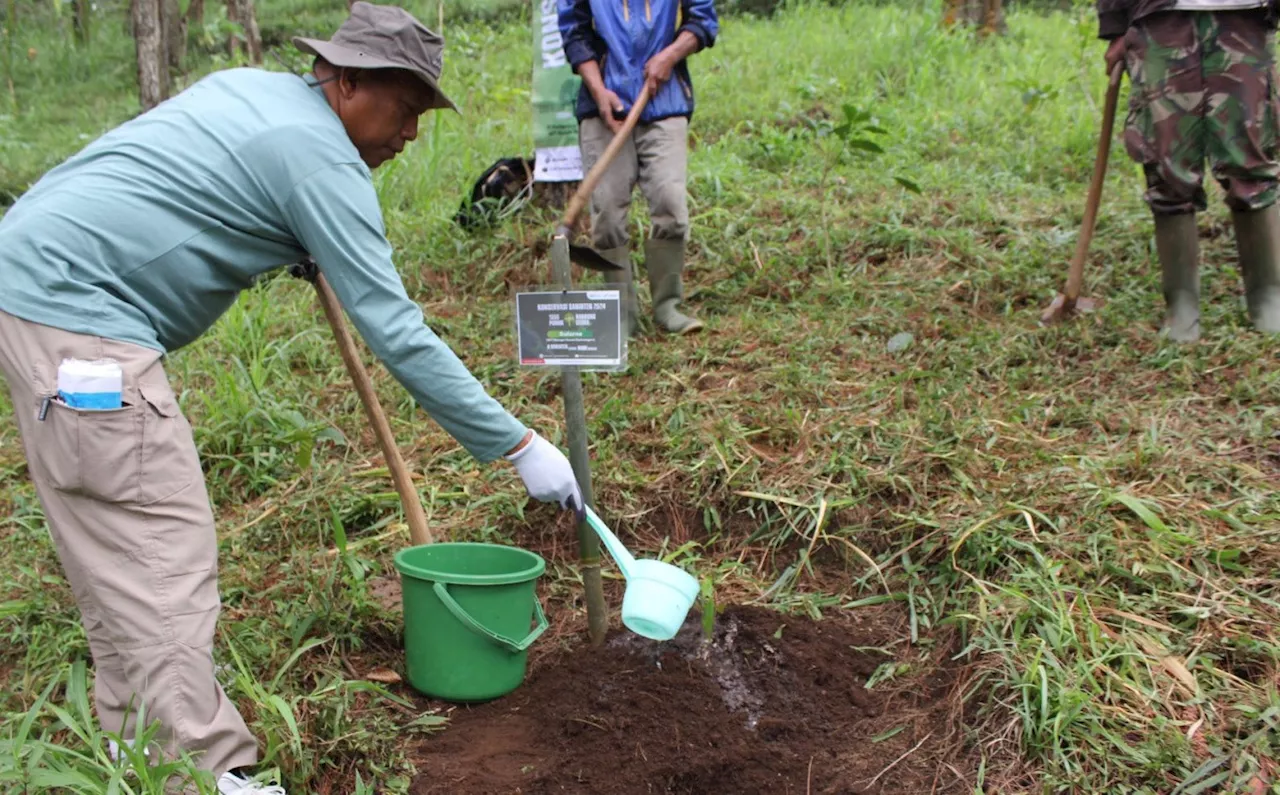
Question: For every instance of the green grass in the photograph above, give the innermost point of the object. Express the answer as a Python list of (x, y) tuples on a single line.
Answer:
[(1086, 516)]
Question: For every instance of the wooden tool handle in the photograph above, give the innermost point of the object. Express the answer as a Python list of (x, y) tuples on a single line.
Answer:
[(588, 184), (413, 512), (1075, 277)]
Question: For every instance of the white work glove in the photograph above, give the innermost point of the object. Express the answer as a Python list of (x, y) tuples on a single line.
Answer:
[(547, 474)]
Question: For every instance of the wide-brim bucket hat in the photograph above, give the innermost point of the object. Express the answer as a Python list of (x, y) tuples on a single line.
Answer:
[(384, 37)]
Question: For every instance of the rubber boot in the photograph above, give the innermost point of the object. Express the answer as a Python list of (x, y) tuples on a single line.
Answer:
[(625, 281), (664, 260), (1177, 246), (1258, 244)]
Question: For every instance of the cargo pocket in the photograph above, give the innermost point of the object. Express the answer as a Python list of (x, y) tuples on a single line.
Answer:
[(169, 459), (194, 604), (1269, 135), (128, 588), (94, 453), (1139, 126)]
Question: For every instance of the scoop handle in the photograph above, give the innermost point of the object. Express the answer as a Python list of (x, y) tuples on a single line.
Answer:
[(620, 554)]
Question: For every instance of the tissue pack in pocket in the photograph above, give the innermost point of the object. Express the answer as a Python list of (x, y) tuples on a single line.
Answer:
[(91, 384)]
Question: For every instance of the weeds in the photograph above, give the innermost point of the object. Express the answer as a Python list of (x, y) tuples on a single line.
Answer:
[(1091, 511), (57, 746)]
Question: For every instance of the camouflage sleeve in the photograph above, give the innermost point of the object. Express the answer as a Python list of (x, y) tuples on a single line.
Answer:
[(1114, 17)]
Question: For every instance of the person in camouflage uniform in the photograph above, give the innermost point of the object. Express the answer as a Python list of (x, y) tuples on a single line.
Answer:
[(1202, 88)]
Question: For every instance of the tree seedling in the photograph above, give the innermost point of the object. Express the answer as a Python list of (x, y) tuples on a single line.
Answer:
[(707, 601), (855, 135)]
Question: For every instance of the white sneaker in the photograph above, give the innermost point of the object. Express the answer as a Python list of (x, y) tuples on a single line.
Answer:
[(114, 750), (236, 784)]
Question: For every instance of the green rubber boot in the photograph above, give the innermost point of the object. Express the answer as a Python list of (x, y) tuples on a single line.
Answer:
[(625, 281), (1258, 244), (1177, 246), (664, 260)]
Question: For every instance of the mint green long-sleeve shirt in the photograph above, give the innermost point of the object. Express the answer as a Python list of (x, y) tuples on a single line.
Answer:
[(149, 234)]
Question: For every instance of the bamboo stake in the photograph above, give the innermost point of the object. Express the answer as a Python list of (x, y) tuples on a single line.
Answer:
[(576, 421), (571, 383)]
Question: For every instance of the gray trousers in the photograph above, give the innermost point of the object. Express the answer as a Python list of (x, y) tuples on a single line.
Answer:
[(657, 158)]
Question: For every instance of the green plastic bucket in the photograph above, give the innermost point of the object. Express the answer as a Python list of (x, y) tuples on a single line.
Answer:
[(467, 615)]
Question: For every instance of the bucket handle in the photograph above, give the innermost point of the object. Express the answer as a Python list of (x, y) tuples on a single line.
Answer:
[(475, 626)]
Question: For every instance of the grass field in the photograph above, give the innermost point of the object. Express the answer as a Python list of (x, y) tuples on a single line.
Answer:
[(1085, 518)]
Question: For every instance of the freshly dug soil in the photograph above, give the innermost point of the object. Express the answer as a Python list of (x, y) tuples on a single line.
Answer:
[(775, 704)]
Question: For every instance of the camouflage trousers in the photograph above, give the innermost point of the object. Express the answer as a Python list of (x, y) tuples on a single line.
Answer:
[(1203, 90)]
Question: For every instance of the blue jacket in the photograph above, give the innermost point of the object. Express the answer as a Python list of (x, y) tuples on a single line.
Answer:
[(622, 35)]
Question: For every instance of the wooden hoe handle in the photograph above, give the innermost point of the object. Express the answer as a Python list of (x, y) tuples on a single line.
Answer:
[(1075, 277), (588, 184), (413, 512)]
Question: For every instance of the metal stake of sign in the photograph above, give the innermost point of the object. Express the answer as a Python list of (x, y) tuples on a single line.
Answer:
[(575, 416)]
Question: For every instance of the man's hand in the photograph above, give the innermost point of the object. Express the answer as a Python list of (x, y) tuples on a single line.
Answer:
[(609, 103), (1115, 54), (658, 71), (546, 473), (606, 101)]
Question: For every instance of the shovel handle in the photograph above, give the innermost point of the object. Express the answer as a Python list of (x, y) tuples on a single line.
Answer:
[(1075, 277), (413, 512), (588, 184)]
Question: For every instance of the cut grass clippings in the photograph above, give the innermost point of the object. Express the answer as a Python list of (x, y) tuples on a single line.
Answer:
[(1088, 512)]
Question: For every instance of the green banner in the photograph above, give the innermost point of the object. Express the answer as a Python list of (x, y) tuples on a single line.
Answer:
[(555, 91)]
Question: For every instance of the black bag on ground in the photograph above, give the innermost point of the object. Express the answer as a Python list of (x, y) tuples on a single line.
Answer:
[(504, 183)]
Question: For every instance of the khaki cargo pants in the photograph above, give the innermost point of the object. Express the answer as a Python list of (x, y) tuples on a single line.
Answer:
[(656, 157), (125, 501)]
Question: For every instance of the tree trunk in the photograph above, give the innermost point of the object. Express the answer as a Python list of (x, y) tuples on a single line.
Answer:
[(148, 35), (250, 22), (233, 16), (80, 17), (986, 15), (242, 12), (195, 14), (993, 17), (175, 35), (11, 30)]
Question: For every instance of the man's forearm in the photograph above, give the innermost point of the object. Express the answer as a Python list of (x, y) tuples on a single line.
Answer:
[(686, 44), (589, 71)]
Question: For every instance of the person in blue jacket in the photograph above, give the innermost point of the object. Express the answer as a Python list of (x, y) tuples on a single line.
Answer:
[(618, 47)]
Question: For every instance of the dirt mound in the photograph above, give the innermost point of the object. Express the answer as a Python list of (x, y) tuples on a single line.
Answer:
[(774, 704)]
